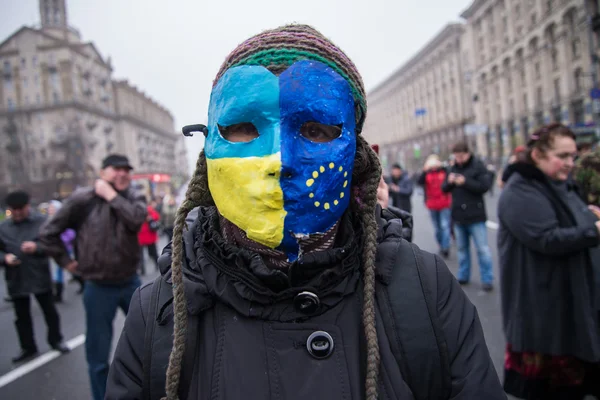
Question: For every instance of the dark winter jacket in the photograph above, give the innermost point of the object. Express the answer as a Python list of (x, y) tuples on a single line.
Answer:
[(106, 246), (401, 198), (468, 205), (254, 335), (32, 276), (546, 242)]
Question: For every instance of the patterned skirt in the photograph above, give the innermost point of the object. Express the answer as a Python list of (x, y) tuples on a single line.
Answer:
[(530, 375)]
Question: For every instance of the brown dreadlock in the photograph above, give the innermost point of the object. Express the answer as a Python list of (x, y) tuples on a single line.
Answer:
[(365, 180)]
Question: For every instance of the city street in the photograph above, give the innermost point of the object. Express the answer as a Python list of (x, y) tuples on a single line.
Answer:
[(51, 376)]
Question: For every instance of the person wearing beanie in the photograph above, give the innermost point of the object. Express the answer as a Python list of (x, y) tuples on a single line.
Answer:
[(286, 280), (27, 273)]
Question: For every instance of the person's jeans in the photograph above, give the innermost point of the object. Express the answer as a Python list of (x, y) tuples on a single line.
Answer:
[(478, 231), (441, 225), (101, 303), (24, 323)]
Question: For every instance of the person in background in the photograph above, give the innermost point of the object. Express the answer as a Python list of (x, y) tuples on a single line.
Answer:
[(401, 188), (587, 176), (518, 155), (27, 273), (68, 236), (158, 202), (492, 171), (437, 201), (549, 251), (168, 214), (106, 219), (148, 236), (468, 180)]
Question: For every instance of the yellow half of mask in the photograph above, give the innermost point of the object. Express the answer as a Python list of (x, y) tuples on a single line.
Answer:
[(248, 193)]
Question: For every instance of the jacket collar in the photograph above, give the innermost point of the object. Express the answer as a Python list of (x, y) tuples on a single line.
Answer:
[(214, 270), (531, 172)]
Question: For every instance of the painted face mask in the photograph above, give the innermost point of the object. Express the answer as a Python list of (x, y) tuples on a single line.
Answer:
[(290, 177)]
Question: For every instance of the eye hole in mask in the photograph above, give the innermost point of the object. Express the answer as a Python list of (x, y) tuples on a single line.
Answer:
[(320, 133), (239, 133)]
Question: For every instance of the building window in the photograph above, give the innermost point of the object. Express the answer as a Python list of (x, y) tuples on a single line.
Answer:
[(7, 68), (23, 63), (576, 48), (538, 73), (10, 104), (556, 114), (549, 5), (554, 57), (25, 82), (34, 61), (26, 100), (38, 99), (557, 90), (538, 98), (539, 118), (36, 80), (578, 82), (55, 97), (578, 112), (533, 19)]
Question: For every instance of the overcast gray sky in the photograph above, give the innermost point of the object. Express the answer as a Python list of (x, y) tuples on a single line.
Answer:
[(172, 49)]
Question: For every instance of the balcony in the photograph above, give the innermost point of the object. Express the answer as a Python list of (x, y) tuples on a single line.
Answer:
[(52, 68)]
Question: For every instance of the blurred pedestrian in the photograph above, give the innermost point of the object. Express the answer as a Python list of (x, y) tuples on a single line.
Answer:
[(28, 273), (519, 155), (168, 214), (437, 201), (468, 180), (68, 238), (401, 188), (106, 219), (548, 244), (148, 236)]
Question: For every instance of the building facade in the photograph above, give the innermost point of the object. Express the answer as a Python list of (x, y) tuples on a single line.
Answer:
[(423, 107), (531, 65), (61, 112)]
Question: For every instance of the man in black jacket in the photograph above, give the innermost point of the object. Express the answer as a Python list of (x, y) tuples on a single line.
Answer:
[(27, 272), (468, 181)]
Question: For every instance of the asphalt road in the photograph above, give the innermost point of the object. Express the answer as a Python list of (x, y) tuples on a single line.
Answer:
[(51, 376)]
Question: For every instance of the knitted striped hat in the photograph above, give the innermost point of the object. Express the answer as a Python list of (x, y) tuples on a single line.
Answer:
[(279, 48)]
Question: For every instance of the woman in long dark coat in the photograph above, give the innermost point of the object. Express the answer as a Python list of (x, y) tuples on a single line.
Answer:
[(548, 246)]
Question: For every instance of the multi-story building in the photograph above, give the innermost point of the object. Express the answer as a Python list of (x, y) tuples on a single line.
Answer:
[(61, 112), (531, 65), (423, 107)]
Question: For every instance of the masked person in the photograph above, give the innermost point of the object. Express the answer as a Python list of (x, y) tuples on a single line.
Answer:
[(275, 290), (106, 219)]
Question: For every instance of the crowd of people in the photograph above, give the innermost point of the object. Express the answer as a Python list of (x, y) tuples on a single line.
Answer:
[(291, 253)]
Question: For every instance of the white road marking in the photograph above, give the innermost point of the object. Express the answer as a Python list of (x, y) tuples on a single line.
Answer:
[(491, 225), (38, 362)]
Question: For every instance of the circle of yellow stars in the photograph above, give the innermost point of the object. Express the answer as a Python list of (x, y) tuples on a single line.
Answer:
[(315, 176)]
